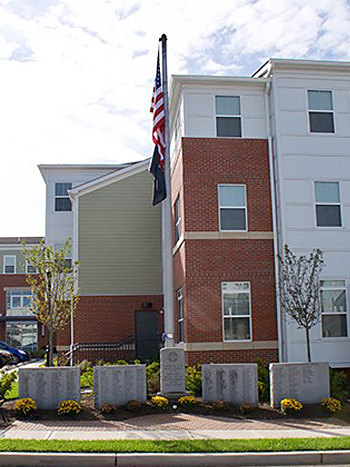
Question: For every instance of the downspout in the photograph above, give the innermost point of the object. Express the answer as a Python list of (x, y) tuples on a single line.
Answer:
[(280, 336)]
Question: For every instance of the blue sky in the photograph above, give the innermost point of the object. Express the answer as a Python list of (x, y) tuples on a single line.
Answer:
[(77, 75)]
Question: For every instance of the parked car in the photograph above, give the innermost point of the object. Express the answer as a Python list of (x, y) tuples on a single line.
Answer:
[(18, 355), (5, 358)]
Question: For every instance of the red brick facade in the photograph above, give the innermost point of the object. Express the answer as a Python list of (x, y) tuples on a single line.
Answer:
[(202, 264), (109, 318)]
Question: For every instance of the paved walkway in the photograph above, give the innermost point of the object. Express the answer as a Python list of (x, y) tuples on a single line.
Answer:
[(176, 426)]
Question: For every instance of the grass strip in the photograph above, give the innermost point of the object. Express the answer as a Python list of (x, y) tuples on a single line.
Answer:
[(178, 446)]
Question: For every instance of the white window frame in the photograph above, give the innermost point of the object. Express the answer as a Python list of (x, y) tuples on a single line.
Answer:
[(14, 266), (177, 209), (60, 196), (21, 294), (337, 313), (180, 321), (28, 266), (323, 203), (237, 316), (228, 116), (233, 207), (318, 133)]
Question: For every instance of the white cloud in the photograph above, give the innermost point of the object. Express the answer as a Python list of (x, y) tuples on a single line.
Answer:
[(76, 76)]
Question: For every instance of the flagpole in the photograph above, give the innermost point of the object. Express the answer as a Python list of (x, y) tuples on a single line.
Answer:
[(168, 282)]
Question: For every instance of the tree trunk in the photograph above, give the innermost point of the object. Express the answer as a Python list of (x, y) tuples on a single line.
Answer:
[(308, 345), (50, 347)]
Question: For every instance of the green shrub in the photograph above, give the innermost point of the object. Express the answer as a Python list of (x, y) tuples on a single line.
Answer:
[(339, 384), (188, 401), (263, 381), (153, 377), (331, 405), (7, 380), (122, 362), (25, 406), (193, 380), (221, 406), (87, 379), (159, 402), (69, 407), (60, 360), (133, 406)]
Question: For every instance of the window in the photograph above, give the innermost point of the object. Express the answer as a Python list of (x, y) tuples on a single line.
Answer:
[(180, 308), (236, 310), (232, 207), (68, 261), (62, 201), (9, 264), (334, 311), (30, 269), (22, 335), (177, 219), (327, 198), (321, 118), (18, 303), (228, 116)]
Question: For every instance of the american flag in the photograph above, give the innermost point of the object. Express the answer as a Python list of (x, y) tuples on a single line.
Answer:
[(157, 108)]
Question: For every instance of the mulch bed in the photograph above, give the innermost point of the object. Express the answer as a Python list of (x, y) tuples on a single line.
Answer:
[(263, 412)]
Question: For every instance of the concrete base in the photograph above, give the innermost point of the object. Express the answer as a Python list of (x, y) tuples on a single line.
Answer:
[(151, 459)]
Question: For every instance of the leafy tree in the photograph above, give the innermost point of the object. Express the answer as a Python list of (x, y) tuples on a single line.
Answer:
[(299, 286), (54, 286)]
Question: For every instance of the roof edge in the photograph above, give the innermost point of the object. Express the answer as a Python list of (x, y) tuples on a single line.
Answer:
[(107, 179)]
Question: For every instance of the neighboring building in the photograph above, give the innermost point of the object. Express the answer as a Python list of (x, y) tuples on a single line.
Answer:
[(116, 236), (18, 324)]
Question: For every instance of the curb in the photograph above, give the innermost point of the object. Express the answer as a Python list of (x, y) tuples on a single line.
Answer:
[(174, 460)]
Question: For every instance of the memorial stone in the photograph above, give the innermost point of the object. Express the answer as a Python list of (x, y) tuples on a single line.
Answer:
[(49, 386), (119, 384), (233, 383), (172, 372), (306, 382)]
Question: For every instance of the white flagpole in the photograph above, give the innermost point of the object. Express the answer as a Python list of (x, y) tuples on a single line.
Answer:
[(168, 282)]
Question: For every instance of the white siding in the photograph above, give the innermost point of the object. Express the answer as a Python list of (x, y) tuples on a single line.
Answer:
[(200, 116), (304, 157)]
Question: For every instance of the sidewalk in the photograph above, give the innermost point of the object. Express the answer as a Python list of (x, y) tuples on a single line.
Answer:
[(175, 426)]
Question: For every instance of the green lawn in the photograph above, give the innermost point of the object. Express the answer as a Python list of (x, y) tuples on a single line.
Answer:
[(187, 446)]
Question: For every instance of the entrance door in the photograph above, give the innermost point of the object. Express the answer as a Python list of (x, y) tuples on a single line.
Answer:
[(146, 332)]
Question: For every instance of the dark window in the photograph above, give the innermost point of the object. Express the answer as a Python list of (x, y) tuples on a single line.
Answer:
[(62, 201), (334, 309), (232, 207), (228, 116), (328, 213), (321, 116)]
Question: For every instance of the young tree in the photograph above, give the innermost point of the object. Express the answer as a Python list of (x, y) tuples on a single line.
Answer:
[(53, 286), (299, 287)]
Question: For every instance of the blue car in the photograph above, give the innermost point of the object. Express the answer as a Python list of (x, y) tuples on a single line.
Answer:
[(17, 354)]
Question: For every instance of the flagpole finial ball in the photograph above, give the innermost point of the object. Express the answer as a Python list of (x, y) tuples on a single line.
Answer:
[(163, 38)]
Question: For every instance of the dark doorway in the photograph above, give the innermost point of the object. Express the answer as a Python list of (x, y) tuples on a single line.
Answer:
[(146, 332)]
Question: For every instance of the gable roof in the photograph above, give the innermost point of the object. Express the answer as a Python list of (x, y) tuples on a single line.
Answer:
[(104, 180)]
